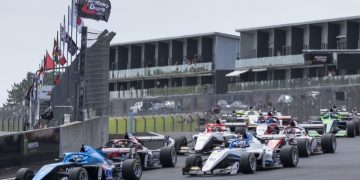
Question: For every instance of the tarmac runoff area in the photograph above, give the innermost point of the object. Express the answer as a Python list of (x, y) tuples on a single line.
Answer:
[(343, 165)]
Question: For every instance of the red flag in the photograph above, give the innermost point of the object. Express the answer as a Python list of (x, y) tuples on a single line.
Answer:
[(62, 61), (48, 62)]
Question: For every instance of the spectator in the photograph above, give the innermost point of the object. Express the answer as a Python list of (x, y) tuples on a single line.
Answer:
[(330, 73), (333, 73)]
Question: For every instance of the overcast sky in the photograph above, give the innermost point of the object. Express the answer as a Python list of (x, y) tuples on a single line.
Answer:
[(28, 27)]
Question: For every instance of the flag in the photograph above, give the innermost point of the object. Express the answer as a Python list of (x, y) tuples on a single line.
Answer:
[(62, 61), (94, 9), (63, 34), (48, 62), (56, 52), (77, 22), (72, 48)]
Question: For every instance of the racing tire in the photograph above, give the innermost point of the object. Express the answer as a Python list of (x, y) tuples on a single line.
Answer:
[(180, 141), (350, 129), (357, 127), (78, 173), (193, 160), (168, 157), (248, 163), (328, 143), (24, 174), (289, 156), (240, 130), (131, 169), (304, 147)]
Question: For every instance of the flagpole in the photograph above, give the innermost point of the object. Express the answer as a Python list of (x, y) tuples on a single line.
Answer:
[(72, 22), (76, 27), (67, 52), (67, 63)]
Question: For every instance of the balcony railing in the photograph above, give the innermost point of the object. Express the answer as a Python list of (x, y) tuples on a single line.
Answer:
[(156, 92), (296, 83), (270, 61), (159, 71)]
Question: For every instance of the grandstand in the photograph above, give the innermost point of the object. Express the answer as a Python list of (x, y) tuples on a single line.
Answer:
[(191, 64), (299, 50)]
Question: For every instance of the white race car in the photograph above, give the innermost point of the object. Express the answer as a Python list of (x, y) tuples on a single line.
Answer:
[(243, 155), (306, 144), (213, 136)]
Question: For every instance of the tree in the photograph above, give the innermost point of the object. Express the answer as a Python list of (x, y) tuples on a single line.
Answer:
[(19, 90)]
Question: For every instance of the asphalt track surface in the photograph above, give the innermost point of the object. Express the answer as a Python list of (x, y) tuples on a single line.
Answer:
[(343, 165)]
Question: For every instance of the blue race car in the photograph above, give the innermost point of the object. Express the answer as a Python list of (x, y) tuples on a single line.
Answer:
[(86, 164)]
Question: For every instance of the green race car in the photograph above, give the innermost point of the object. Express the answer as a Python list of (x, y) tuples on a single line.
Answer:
[(339, 122)]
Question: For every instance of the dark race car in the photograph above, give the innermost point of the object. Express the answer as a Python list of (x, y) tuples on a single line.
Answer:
[(120, 150)]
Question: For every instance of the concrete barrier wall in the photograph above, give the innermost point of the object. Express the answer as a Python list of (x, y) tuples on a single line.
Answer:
[(92, 132)]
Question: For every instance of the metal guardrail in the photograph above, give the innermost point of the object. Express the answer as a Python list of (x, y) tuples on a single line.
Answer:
[(156, 92), (158, 71), (296, 83), (160, 123), (269, 61)]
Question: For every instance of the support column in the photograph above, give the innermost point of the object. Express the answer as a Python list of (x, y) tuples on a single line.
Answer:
[(184, 52), (116, 58), (143, 55), (129, 58), (170, 53), (157, 54)]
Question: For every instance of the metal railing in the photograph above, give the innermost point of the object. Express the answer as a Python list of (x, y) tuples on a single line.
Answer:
[(270, 61), (159, 71), (156, 92), (160, 123), (296, 83)]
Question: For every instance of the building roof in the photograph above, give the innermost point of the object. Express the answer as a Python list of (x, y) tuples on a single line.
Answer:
[(176, 37), (299, 23)]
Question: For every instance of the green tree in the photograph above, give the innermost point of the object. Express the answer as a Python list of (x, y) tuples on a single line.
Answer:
[(19, 90)]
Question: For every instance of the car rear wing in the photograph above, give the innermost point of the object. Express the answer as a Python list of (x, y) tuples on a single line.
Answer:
[(238, 124), (312, 126), (272, 136), (152, 137)]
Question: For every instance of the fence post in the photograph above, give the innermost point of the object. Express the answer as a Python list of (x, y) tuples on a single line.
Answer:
[(126, 130), (144, 123), (173, 123), (8, 125), (182, 123), (154, 123), (191, 122), (163, 123), (13, 125), (117, 126), (135, 122)]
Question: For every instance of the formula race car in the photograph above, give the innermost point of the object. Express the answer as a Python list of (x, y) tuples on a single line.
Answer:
[(213, 136), (306, 144), (244, 155), (87, 164), (338, 122), (119, 150)]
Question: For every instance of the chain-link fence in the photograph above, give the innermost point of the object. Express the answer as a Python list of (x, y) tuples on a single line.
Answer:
[(13, 119), (301, 103), (65, 97)]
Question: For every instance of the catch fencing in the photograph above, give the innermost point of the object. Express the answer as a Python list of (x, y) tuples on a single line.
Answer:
[(301, 103)]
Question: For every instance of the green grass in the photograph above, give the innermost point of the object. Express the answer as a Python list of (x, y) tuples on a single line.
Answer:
[(169, 123)]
